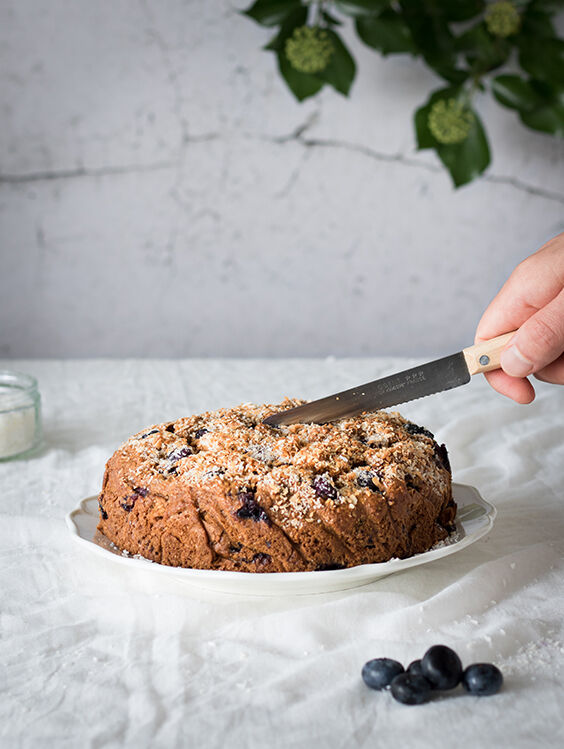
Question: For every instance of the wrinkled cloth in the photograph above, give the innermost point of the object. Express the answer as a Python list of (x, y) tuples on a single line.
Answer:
[(93, 654)]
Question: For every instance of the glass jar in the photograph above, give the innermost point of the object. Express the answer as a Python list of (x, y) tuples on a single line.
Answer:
[(20, 414)]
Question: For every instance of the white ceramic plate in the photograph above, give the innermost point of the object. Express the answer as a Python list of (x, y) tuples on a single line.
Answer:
[(474, 519)]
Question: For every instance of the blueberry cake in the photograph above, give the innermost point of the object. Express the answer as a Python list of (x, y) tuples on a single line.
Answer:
[(223, 491)]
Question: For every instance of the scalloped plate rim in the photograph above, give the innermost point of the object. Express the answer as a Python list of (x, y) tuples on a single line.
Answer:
[(293, 583)]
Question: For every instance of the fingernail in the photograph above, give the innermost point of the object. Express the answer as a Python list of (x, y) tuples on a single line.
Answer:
[(514, 363)]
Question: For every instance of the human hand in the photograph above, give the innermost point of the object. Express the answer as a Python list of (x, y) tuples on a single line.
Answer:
[(532, 302)]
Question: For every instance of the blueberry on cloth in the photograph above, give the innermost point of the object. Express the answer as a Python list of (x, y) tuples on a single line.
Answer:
[(411, 689), (380, 672), (414, 668), (442, 667), (482, 679)]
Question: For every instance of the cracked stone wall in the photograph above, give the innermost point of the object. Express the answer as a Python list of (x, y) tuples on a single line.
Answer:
[(162, 194)]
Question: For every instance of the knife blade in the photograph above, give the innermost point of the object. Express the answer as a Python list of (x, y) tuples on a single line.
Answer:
[(416, 382)]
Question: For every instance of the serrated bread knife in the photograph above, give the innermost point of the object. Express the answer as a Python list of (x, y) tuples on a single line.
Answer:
[(433, 377)]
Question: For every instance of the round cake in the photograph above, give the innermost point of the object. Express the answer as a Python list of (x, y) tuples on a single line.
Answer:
[(221, 490)]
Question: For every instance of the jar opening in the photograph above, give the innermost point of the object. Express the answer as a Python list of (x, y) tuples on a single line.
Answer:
[(17, 390)]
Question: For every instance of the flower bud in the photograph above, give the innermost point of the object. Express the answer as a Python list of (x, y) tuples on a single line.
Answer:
[(502, 18), (450, 121), (309, 49)]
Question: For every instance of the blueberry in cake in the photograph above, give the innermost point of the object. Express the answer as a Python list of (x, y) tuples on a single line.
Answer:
[(224, 491)]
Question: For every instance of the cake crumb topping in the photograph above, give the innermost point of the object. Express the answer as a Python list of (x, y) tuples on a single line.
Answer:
[(306, 468)]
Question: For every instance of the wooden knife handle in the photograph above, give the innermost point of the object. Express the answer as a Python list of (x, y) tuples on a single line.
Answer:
[(485, 356)]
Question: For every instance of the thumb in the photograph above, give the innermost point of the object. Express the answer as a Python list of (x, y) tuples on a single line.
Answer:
[(538, 342)]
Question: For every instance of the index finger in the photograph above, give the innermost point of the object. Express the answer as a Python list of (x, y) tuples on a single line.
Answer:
[(530, 287)]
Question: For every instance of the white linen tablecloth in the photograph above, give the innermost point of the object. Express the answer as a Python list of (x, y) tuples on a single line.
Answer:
[(93, 654)]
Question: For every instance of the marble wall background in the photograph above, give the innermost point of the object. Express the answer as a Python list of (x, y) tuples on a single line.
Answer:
[(162, 194)]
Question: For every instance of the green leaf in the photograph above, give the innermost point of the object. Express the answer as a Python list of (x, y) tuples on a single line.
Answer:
[(536, 22), (514, 92), (467, 160), (547, 119), (302, 85), (341, 70), (449, 72), (543, 58), (425, 138), (339, 73), (547, 5), (482, 51), (271, 12), (431, 34), (540, 105), (460, 10), (548, 92), (329, 19), (358, 8), (297, 18), (387, 33)]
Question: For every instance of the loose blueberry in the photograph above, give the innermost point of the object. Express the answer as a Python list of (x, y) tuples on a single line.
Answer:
[(411, 689), (482, 679), (416, 429), (200, 432), (414, 668), (380, 672), (324, 487), (180, 452), (442, 667)]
